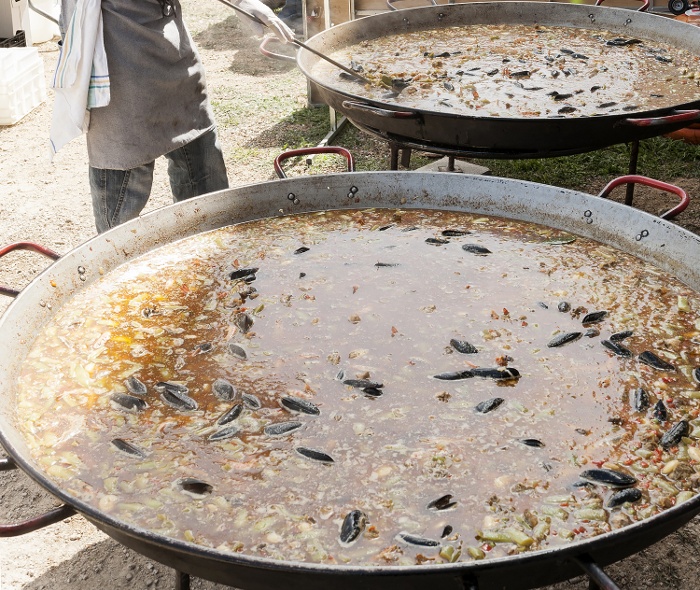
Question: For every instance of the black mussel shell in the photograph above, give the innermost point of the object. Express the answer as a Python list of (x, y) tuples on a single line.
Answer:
[(620, 336), (282, 428), (476, 249), (135, 386), (436, 241), (170, 386), (251, 401), (675, 434), (301, 250), (245, 274), (314, 455), (231, 414), (623, 496), (454, 375), (128, 403), (609, 477), (531, 442), (454, 233), (463, 346), (195, 487), (561, 339), (650, 359), (417, 540), (225, 433), (237, 350), (224, 390), (362, 383), (128, 448), (353, 525), (372, 392), (594, 317), (488, 405), (243, 322), (299, 406), (446, 531), (564, 306), (641, 400), (616, 348), (696, 375), (660, 412), (442, 503), (386, 264), (499, 374)]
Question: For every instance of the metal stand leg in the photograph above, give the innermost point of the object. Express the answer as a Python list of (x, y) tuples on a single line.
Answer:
[(634, 156), (406, 157), (394, 156), (182, 581), (451, 164)]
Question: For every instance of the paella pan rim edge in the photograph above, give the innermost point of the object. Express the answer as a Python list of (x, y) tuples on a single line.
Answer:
[(503, 132), (197, 206)]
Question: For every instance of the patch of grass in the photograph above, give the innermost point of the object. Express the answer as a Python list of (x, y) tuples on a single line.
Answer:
[(659, 158)]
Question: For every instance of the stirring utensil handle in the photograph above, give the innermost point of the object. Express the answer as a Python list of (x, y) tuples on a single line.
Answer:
[(299, 43)]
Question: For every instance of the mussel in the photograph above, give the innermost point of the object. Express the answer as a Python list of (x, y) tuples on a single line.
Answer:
[(609, 477), (128, 403), (417, 540), (463, 346), (673, 436), (442, 503), (652, 360), (224, 390), (135, 386), (299, 405), (128, 448), (623, 496), (489, 405), (231, 414), (314, 455), (353, 525), (282, 428), (616, 348), (562, 339)]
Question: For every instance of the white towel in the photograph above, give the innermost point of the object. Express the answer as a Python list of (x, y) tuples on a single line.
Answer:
[(81, 81)]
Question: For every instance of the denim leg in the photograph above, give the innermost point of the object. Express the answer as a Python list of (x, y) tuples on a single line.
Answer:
[(197, 168), (119, 195)]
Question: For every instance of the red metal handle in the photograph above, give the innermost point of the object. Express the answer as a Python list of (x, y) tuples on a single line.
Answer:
[(38, 522), (271, 54), (312, 150), (361, 106), (24, 246), (664, 186), (678, 117), (642, 9)]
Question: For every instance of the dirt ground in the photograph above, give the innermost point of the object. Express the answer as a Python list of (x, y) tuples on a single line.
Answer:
[(49, 204)]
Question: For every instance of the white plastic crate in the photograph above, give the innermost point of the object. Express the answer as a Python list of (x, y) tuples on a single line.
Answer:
[(22, 83)]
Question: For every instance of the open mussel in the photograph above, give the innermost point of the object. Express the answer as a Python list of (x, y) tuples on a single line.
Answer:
[(442, 503), (620, 336), (362, 383), (641, 400), (463, 346), (128, 403), (562, 339), (616, 348), (243, 322), (673, 436), (175, 395), (231, 414), (314, 455), (652, 360), (282, 428), (353, 525), (417, 540), (489, 405), (623, 496), (609, 477), (299, 405), (244, 274), (223, 390), (195, 487), (660, 411), (128, 448), (499, 374), (251, 401), (135, 386), (476, 249), (594, 317), (225, 433)]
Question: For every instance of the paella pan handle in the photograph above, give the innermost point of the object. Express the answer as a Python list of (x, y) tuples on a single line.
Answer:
[(635, 179), (312, 150), (36, 523), (595, 573), (366, 108), (644, 7), (24, 246), (677, 117)]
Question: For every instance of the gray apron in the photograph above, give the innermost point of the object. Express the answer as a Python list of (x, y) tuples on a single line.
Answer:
[(158, 93)]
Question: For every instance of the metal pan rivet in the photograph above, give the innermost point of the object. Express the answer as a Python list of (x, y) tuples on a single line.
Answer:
[(588, 213), (81, 270), (354, 189), (642, 234), (592, 17), (42, 303), (291, 196), (628, 21)]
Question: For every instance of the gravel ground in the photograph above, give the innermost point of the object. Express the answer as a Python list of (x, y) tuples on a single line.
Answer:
[(257, 103)]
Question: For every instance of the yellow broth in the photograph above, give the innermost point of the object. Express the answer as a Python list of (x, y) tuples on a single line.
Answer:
[(518, 71), (370, 299)]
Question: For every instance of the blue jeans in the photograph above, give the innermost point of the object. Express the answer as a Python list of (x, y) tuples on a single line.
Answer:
[(194, 169)]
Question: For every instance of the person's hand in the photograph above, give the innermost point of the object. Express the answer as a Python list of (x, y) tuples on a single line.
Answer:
[(265, 14)]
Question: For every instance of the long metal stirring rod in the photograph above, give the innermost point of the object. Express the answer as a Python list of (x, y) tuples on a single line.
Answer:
[(300, 44)]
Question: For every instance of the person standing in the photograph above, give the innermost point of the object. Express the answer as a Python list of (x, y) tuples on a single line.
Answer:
[(158, 106)]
